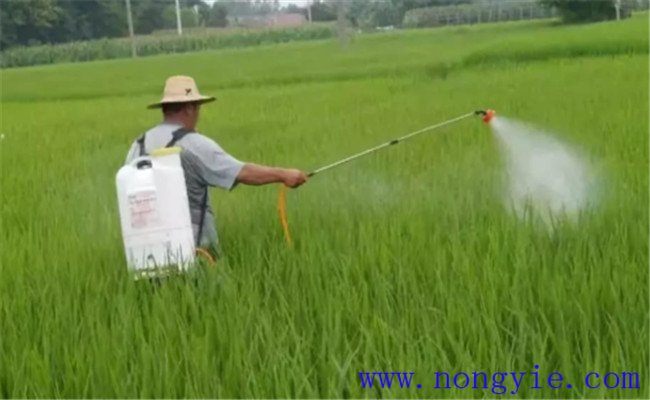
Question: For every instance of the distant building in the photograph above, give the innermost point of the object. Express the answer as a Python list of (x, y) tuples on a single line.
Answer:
[(280, 20), (288, 20)]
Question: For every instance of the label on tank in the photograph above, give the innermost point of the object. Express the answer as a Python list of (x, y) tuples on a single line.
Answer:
[(144, 209)]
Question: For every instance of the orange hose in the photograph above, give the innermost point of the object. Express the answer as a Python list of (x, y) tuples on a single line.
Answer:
[(282, 211), (200, 252)]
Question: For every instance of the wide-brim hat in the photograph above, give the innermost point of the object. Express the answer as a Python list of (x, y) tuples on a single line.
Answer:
[(181, 89)]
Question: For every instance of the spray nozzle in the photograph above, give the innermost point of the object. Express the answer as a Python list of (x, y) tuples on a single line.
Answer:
[(487, 115)]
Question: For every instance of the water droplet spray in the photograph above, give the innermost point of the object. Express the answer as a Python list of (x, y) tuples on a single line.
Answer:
[(545, 178)]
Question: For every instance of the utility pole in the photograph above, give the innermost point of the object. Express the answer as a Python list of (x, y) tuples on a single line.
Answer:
[(178, 18), (531, 15), (129, 20), (342, 25), (617, 5)]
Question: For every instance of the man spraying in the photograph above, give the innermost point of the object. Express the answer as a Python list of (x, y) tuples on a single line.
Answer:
[(204, 162)]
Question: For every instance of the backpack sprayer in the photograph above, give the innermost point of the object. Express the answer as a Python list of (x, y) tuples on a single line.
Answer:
[(487, 116)]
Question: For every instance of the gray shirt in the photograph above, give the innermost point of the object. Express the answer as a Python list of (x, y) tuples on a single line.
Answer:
[(205, 164)]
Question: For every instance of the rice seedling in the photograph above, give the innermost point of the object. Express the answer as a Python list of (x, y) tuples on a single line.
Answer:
[(404, 261)]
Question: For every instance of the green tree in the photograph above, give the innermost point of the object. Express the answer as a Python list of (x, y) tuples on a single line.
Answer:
[(262, 7), (218, 16), (588, 10), (191, 3), (24, 23), (93, 19), (188, 17), (204, 13), (403, 6), (372, 13), (294, 9), (148, 15), (239, 8), (55, 21), (323, 11)]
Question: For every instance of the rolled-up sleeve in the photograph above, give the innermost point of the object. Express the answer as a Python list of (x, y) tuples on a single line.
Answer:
[(215, 166)]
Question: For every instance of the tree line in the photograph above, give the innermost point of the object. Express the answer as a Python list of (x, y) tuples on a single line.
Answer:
[(34, 22)]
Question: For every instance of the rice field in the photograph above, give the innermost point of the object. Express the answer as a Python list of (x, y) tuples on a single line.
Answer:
[(405, 260)]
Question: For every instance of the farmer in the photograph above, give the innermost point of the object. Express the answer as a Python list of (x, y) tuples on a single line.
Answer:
[(205, 163)]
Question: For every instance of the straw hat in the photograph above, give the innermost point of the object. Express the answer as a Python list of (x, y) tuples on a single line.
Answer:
[(181, 89)]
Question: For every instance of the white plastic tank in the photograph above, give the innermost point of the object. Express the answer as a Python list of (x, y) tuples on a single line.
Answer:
[(155, 214)]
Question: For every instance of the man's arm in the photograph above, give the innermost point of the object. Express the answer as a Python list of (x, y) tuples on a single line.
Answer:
[(254, 174), (218, 168)]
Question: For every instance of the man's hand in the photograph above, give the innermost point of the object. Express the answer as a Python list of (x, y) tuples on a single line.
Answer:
[(294, 178)]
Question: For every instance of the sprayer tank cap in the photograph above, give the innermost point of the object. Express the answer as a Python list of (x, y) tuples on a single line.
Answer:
[(166, 151)]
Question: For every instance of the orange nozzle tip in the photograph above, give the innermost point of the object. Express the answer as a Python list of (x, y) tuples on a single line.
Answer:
[(489, 114)]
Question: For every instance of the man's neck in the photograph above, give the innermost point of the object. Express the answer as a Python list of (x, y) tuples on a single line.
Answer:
[(172, 121)]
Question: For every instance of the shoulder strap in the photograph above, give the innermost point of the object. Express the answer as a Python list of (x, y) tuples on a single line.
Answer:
[(204, 208), (177, 135), (141, 145)]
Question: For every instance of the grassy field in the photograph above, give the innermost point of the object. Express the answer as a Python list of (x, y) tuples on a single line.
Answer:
[(404, 261)]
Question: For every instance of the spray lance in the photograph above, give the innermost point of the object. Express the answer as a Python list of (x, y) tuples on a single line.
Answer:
[(486, 116)]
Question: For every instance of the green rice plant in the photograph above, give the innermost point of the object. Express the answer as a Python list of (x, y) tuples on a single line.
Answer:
[(406, 260), (434, 53)]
